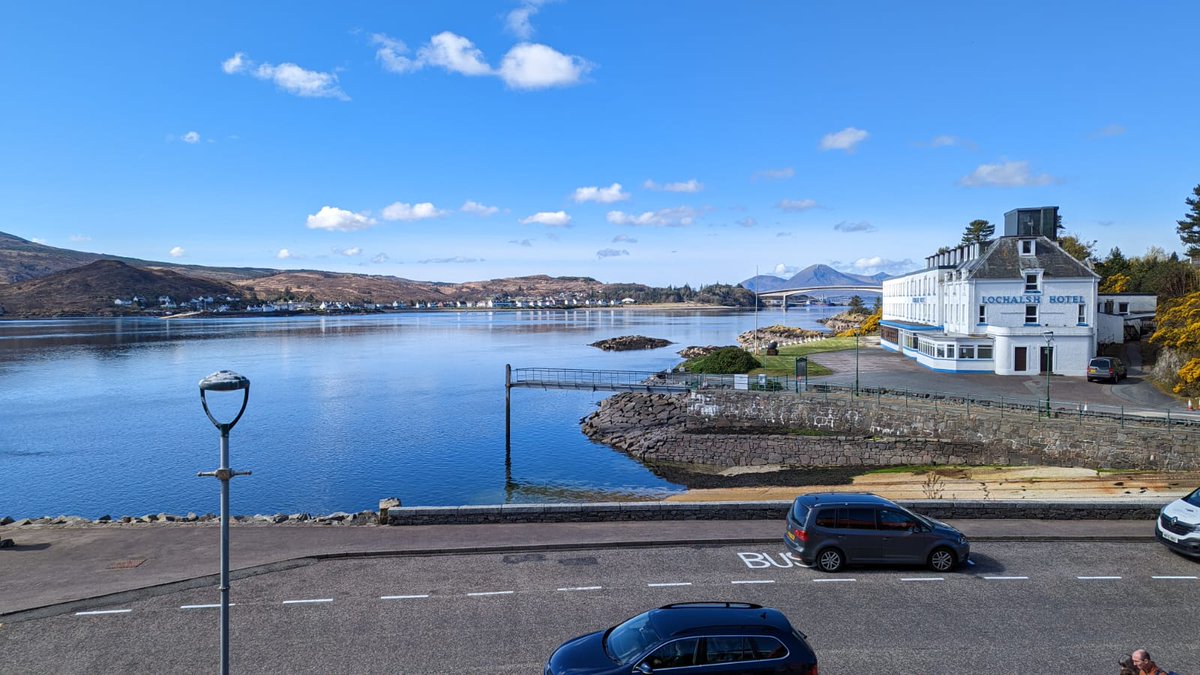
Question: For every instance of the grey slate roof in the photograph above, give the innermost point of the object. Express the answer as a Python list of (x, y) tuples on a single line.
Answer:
[(1002, 261)]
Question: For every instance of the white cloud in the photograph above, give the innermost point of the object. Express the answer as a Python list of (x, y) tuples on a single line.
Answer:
[(748, 221), (608, 195), (455, 53), (79, 238), (455, 259), (549, 219), (391, 55), (774, 174), (1109, 131), (796, 205), (535, 66), (380, 258), (674, 217), (410, 212), (177, 252), (284, 254), (288, 77), (876, 264), (845, 139), (38, 240), (234, 64), (785, 270), (191, 137), (517, 20), (479, 209), (944, 141), (692, 185), (348, 252), (611, 253), (524, 242), (338, 220), (1005, 174), (860, 226), (624, 238)]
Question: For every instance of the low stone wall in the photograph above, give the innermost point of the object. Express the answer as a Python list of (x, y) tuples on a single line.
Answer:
[(746, 428), (774, 510)]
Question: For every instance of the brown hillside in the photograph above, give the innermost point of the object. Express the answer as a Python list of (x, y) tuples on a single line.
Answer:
[(534, 286), (337, 286), (90, 290)]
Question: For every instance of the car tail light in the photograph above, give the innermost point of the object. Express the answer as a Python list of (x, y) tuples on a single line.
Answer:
[(801, 535)]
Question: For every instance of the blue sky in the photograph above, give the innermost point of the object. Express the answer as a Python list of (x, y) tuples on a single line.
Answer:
[(655, 142)]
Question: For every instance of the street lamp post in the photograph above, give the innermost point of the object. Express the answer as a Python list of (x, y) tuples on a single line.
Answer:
[(1049, 335), (224, 380)]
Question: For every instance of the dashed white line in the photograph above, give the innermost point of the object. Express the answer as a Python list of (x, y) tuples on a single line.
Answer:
[(1096, 578), (232, 604), (103, 611), (832, 581), (1174, 577), (673, 583), (1006, 578), (581, 588), (307, 602), (475, 595), (924, 579), (753, 581), (402, 597)]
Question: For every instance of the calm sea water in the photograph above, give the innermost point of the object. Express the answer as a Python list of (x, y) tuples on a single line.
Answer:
[(103, 416)]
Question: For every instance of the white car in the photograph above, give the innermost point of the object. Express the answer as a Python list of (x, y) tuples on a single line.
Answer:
[(1178, 525)]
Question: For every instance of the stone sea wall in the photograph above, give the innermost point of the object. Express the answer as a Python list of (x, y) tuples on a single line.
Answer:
[(746, 428)]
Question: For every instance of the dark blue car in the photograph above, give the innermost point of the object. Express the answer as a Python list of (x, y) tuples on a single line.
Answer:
[(700, 637)]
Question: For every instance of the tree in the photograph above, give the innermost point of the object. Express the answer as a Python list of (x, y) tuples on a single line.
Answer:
[(856, 305), (1189, 227), (978, 231), (1081, 250), (1179, 329), (1117, 283)]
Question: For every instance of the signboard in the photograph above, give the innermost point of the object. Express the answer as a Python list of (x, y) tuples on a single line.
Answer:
[(1031, 299), (741, 381)]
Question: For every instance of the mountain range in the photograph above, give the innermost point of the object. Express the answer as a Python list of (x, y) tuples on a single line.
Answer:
[(812, 276)]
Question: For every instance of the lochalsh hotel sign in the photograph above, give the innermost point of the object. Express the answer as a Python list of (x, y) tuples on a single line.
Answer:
[(1031, 299)]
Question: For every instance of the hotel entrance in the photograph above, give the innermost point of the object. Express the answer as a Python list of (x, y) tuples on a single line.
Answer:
[(1047, 360)]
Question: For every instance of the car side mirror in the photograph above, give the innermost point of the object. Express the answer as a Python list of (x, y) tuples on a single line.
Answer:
[(645, 668)]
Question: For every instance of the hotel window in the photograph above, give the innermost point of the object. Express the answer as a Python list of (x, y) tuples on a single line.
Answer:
[(1031, 314), (1082, 314), (1027, 247), (966, 351), (983, 314), (1031, 282), (1122, 308), (984, 351), (941, 351)]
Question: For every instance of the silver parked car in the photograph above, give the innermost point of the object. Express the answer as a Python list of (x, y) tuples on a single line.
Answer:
[(831, 530), (1178, 526)]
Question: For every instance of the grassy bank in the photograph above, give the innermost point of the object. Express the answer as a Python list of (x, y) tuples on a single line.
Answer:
[(785, 363)]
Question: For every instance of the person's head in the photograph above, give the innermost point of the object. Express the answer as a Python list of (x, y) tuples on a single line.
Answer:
[(1141, 660)]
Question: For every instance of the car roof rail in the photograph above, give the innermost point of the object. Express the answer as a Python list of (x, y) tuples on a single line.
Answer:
[(713, 603)]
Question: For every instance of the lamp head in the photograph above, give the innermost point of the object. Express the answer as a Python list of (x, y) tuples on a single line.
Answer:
[(224, 380)]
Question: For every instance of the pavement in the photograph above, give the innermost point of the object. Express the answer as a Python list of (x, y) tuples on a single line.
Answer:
[(58, 569)]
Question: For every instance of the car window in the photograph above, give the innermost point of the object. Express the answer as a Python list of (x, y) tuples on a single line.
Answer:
[(800, 513), (1099, 363), (766, 647), (1194, 498), (726, 649), (856, 518), (895, 521), (631, 638), (827, 518), (674, 654)]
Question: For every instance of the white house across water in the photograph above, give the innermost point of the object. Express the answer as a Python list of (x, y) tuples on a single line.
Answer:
[(1016, 305)]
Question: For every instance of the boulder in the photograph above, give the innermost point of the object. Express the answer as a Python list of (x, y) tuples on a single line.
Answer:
[(630, 342)]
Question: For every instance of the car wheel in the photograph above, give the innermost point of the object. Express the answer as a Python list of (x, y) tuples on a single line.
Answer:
[(942, 560), (830, 560)]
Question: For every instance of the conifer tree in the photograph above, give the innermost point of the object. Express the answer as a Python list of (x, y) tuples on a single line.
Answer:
[(1189, 227), (978, 231)]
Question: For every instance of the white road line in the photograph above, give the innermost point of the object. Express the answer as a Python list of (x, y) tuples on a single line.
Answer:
[(674, 583), (1179, 577), (104, 611), (232, 604), (753, 581), (832, 581), (1006, 578), (581, 588), (307, 602), (924, 579), (1096, 578), (475, 595), (402, 597)]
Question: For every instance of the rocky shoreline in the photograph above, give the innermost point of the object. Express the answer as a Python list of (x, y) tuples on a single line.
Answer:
[(207, 519)]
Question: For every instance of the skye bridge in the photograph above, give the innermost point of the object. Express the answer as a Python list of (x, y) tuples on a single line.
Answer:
[(784, 293)]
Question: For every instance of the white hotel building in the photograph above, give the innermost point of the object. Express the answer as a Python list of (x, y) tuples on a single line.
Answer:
[(1016, 305)]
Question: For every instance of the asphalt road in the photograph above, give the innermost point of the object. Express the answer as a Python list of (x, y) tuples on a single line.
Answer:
[(1069, 607)]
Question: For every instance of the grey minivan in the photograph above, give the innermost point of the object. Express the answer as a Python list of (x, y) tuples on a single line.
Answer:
[(831, 530)]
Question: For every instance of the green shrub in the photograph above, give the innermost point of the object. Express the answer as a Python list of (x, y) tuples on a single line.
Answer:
[(724, 361)]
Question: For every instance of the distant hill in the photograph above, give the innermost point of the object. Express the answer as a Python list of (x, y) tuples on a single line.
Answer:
[(812, 276), (23, 260), (90, 290)]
